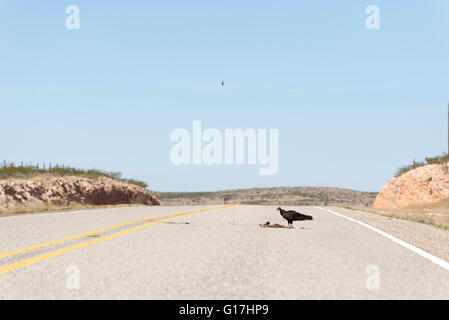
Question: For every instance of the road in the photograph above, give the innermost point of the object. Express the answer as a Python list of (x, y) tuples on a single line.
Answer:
[(217, 253)]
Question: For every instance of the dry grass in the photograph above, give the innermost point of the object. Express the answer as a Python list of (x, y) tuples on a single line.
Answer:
[(436, 214)]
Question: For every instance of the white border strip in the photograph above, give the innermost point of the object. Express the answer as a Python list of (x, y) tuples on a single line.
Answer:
[(442, 263)]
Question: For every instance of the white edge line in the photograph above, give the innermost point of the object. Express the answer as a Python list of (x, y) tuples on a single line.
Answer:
[(442, 263)]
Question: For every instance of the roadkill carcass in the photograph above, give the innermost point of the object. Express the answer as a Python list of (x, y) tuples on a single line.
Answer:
[(275, 225)]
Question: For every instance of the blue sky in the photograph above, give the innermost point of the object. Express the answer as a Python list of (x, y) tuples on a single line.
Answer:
[(351, 104)]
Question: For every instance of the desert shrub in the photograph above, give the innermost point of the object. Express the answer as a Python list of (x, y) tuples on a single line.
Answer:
[(441, 160)]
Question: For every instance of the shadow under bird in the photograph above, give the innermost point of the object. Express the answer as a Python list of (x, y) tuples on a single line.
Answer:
[(292, 215)]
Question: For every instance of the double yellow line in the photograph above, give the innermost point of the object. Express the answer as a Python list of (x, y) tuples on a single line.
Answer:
[(52, 254)]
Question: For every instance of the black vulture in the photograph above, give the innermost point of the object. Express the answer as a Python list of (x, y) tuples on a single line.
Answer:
[(292, 215)]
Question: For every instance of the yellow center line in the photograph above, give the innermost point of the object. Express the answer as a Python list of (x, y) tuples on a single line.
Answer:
[(6, 254), (55, 253)]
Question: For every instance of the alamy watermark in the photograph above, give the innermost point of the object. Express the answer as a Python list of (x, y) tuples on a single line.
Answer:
[(372, 22), (373, 277), (234, 146), (73, 277), (72, 21)]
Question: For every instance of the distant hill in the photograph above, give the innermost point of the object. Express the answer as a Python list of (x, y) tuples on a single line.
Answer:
[(271, 196)]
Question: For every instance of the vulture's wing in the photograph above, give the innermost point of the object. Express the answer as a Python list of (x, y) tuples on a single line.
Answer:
[(293, 215)]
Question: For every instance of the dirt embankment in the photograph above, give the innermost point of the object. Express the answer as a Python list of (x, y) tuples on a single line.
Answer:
[(63, 191), (421, 186)]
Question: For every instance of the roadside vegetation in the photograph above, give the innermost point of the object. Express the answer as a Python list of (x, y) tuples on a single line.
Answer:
[(441, 160), (435, 214), (11, 170)]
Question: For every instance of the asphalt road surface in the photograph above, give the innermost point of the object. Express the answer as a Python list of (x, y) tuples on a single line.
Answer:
[(217, 253)]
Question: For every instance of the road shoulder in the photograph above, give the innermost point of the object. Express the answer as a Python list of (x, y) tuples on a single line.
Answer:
[(427, 237)]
